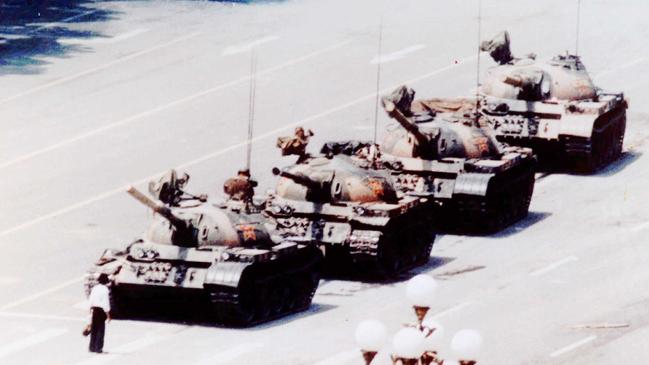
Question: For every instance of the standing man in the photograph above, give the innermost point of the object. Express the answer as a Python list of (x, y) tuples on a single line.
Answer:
[(99, 313)]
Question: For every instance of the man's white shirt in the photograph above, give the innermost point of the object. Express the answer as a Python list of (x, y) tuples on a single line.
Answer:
[(99, 297)]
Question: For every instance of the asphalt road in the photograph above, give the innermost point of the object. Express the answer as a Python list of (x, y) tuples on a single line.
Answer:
[(122, 91)]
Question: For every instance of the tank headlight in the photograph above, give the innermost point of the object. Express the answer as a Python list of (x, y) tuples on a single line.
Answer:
[(287, 210), (225, 256)]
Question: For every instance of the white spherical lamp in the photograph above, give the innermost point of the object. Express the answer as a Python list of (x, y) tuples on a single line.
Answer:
[(371, 335), (467, 344), (420, 290), (408, 343)]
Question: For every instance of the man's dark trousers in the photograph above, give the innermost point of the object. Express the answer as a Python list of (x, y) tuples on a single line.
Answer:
[(97, 329)]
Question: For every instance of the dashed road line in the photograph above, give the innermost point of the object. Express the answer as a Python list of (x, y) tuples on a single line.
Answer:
[(42, 316), (384, 58), (130, 347), (29, 341), (448, 311), (303, 121), (98, 68), (40, 294), (553, 266), (573, 346), (236, 49)]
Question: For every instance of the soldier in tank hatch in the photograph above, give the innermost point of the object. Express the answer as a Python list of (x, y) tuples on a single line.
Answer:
[(241, 187)]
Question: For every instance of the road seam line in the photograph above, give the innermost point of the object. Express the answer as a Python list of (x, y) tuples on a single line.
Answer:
[(573, 346), (553, 266)]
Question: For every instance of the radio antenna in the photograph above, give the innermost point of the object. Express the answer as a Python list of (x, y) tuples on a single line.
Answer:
[(251, 104), (378, 78), (577, 32), (477, 76)]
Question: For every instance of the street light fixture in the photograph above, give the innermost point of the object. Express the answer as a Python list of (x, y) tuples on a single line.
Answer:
[(370, 335), (420, 291), (417, 344)]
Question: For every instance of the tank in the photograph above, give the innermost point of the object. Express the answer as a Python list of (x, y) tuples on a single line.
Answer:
[(553, 107), (438, 150), (215, 259), (365, 227)]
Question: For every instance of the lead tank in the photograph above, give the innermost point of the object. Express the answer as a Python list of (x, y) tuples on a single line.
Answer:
[(364, 226), (554, 107), (198, 257), (438, 150)]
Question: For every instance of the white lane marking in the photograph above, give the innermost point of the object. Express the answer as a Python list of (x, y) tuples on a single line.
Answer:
[(98, 68), (65, 20), (573, 346), (304, 121), (42, 316), (104, 40), (74, 17), (240, 48), (553, 266), (640, 227), (29, 341), (40, 294), (131, 347), (384, 58), (167, 106), (227, 356), (448, 311), (342, 358)]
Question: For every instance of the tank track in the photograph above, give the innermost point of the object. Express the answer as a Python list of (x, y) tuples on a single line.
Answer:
[(587, 155), (405, 243), (269, 290), (266, 291), (506, 202)]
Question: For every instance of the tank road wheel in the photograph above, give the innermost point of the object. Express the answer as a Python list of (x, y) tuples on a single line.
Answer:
[(262, 294)]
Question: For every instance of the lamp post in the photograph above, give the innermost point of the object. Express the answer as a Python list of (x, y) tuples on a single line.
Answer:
[(370, 336)]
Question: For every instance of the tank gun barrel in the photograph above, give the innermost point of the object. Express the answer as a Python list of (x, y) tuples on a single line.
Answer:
[(299, 179), (157, 207), (398, 115)]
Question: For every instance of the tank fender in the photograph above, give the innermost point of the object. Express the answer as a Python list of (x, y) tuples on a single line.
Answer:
[(578, 125), (472, 184), (225, 273)]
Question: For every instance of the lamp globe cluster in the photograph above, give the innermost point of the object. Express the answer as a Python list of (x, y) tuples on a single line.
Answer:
[(418, 343)]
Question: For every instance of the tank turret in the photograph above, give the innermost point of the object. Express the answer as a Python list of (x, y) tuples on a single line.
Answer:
[(206, 261), (354, 215), (552, 106)]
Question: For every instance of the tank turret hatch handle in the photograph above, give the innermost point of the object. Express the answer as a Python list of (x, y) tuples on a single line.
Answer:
[(179, 223), (423, 141)]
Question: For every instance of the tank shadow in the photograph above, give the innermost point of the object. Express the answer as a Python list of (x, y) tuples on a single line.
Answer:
[(350, 275), (625, 159), (531, 219), (31, 30), (198, 317)]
